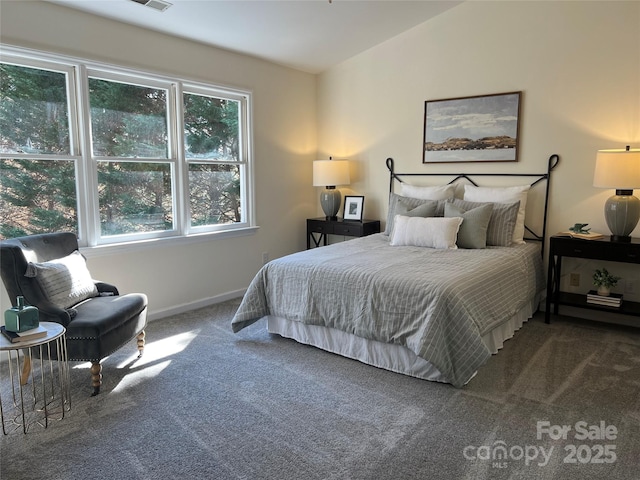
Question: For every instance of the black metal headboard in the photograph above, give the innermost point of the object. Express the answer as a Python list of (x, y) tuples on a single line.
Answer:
[(469, 177)]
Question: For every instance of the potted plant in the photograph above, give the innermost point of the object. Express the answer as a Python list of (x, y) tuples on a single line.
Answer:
[(604, 281)]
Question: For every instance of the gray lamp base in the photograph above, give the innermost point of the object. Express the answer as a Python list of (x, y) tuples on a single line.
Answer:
[(622, 212), (330, 199)]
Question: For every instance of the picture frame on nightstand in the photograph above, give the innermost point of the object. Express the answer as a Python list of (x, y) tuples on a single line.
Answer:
[(353, 208)]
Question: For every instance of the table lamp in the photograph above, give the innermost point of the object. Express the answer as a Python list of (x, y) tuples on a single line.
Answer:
[(328, 174), (619, 169)]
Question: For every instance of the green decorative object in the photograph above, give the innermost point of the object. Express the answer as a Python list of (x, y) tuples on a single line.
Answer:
[(21, 317), (579, 228)]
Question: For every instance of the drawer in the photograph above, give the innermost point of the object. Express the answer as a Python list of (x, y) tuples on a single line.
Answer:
[(370, 228), (597, 250), (623, 254), (354, 229), (581, 249), (320, 227)]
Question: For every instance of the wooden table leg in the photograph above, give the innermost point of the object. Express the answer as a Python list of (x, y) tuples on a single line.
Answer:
[(26, 369)]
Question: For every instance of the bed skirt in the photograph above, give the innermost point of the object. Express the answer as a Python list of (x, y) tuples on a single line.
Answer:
[(395, 358)]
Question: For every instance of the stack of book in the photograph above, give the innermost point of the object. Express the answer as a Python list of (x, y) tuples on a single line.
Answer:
[(613, 300), (26, 336)]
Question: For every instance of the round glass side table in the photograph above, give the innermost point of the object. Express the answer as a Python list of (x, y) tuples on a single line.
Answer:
[(37, 390)]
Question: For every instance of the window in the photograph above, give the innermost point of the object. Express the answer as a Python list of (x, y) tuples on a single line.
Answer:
[(213, 153), (128, 120), (118, 156), (37, 183), (130, 148)]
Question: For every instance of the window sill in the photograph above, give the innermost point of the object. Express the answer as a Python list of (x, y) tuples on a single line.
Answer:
[(129, 247)]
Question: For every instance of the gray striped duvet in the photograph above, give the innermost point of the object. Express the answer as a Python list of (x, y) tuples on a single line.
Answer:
[(437, 303)]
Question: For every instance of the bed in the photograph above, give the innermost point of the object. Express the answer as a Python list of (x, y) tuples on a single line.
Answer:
[(436, 313)]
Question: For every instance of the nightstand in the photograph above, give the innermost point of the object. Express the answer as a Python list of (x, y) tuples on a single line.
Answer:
[(599, 249), (323, 227)]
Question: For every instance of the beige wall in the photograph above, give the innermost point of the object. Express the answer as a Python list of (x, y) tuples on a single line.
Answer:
[(577, 64), (284, 121)]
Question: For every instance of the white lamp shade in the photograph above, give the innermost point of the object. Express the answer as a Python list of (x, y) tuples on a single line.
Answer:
[(329, 173), (619, 169)]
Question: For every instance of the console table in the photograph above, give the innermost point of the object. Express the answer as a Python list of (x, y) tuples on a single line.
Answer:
[(598, 249), (323, 227), (44, 360)]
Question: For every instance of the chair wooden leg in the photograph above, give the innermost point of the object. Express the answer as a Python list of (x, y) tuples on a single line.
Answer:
[(96, 377), (140, 338), (26, 369)]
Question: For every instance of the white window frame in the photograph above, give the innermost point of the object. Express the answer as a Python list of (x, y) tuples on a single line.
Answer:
[(78, 72), (244, 154)]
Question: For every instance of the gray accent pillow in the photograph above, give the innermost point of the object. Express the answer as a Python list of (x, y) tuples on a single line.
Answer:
[(475, 221), (409, 207), (65, 281), (502, 222)]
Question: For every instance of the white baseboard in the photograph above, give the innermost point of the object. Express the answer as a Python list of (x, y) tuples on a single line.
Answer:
[(186, 307)]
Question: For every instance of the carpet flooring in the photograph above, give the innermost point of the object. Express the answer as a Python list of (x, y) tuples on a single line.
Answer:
[(204, 403)]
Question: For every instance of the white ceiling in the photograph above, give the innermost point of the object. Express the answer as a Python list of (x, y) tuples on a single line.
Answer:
[(309, 35)]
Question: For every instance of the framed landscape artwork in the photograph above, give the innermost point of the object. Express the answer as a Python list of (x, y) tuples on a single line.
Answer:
[(472, 129)]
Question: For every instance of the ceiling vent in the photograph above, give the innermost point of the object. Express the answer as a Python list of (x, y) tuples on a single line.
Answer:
[(159, 5)]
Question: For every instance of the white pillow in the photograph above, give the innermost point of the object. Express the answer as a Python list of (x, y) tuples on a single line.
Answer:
[(65, 281), (432, 232), (502, 195), (428, 193)]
